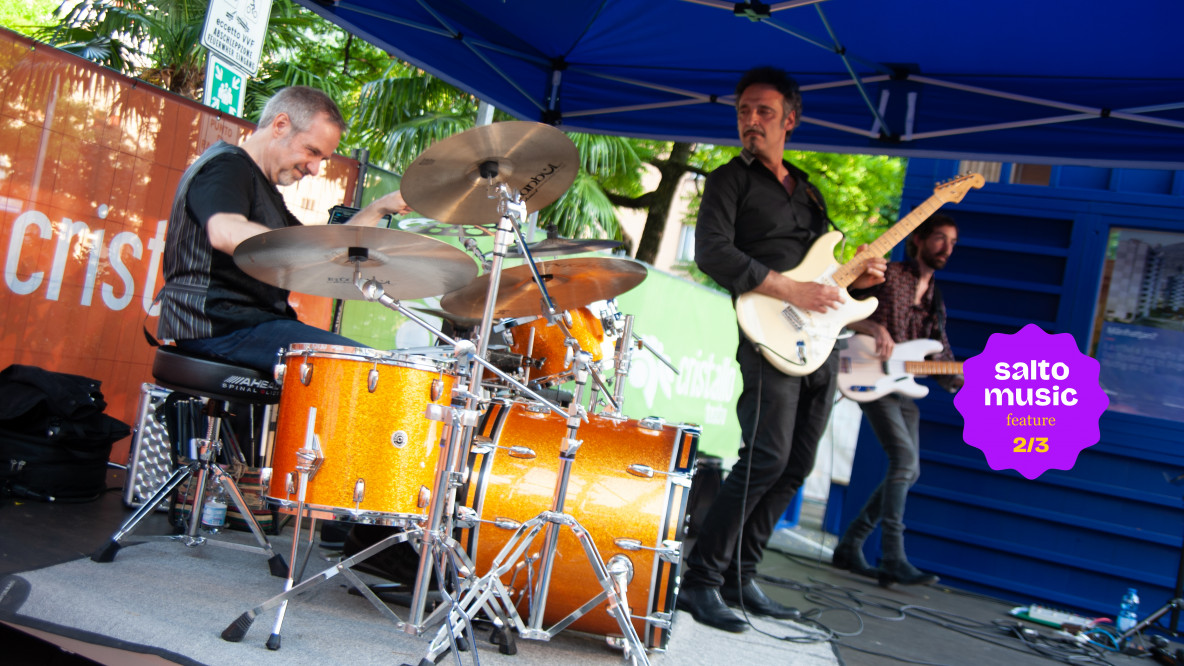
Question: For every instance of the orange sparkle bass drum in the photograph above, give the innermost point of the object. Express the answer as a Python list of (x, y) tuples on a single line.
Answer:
[(630, 480)]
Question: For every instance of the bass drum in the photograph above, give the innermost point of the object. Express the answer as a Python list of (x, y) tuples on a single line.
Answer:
[(630, 480)]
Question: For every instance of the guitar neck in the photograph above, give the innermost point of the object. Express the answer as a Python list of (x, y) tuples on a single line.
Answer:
[(933, 367), (846, 274)]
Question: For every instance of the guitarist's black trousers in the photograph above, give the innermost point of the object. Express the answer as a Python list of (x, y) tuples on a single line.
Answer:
[(775, 458)]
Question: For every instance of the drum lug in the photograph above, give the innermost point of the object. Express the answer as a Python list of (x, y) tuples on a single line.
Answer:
[(644, 471), (425, 497), (537, 408), (437, 389), (290, 484), (372, 380), (521, 452), (506, 523), (306, 372), (652, 423), (278, 372), (359, 491)]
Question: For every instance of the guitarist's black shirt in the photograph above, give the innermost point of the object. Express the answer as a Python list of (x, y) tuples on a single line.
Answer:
[(748, 224)]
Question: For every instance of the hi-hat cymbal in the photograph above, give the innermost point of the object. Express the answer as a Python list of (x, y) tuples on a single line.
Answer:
[(316, 260), (553, 247), (446, 181), (572, 283)]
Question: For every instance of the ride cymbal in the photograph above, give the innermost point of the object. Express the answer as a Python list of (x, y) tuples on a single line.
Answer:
[(572, 283), (450, 180), (316, 259)]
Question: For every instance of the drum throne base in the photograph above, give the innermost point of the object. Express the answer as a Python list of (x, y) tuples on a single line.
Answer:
[(219, 383)]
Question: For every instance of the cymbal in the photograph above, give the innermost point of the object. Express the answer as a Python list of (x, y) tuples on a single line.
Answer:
[(572, 283), (445, 182), (315, 259), (553, 247)]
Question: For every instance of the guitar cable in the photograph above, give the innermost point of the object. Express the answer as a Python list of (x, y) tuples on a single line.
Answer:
[(739, 557)]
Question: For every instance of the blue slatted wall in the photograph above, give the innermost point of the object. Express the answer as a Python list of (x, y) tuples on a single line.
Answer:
[(1078, 538)]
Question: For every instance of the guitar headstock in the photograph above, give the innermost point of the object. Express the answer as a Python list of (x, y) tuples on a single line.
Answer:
[(953, 190)]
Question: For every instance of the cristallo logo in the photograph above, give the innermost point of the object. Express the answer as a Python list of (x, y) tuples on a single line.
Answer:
[(536, 181), (709, 380)]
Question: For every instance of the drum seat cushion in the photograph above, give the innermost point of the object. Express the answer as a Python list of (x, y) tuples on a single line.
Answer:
[(210, 378)]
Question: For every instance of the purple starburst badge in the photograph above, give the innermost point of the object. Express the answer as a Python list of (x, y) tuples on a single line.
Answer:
[(1031, 401)]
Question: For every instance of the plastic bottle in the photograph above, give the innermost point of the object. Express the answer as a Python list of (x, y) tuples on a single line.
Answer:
[(213, 514), (1127, 613)]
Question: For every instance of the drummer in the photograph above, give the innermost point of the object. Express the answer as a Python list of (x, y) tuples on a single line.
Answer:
[(208, 305)]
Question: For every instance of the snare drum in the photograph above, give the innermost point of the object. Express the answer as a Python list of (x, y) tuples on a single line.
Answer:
[(630, 480), (545, 342), (365, 408)]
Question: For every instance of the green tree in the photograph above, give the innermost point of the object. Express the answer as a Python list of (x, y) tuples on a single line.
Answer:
[(26, 16)]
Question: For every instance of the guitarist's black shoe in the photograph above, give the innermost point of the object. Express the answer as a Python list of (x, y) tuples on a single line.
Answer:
[(851, 559), (706, 606), (904, 573)]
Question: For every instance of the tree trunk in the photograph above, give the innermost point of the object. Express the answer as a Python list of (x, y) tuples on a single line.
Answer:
[(663, 200)]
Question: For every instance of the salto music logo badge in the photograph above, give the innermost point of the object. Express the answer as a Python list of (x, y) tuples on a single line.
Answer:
[(1031, 401)]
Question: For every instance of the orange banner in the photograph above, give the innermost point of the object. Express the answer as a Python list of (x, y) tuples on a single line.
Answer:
[(89, 163)]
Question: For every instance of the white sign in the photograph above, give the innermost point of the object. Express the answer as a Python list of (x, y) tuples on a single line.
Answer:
[(235, 30), (225, 86)]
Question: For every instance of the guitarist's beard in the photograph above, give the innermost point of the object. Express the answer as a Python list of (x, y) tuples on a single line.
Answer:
[(934, 261)]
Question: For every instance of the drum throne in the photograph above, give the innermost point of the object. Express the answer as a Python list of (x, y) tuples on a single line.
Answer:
[(218, 383)]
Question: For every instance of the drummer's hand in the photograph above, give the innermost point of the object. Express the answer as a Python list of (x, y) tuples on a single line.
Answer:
[(393, 203), (388, 204)]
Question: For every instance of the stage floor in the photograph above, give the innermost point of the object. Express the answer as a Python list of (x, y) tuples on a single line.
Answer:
[(872, 626)]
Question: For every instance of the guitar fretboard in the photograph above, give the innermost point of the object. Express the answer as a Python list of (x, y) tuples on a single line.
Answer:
[(933, 367), (952, 191)]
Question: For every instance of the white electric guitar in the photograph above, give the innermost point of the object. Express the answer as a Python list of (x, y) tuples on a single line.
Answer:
[(864, 376), (798, 341)]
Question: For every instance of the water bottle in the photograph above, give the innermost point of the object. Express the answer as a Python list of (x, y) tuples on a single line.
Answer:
[(1128, 610), (213, 514)]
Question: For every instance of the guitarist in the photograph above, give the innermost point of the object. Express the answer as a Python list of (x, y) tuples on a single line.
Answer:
[(758, 217), (910, 308)]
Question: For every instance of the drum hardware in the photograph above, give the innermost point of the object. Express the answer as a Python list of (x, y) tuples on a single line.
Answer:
[(551, 522), (671, 551), (467, 171)]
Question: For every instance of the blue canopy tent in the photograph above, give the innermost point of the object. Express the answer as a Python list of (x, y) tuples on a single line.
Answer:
[(1092, 83), (1091, 86)]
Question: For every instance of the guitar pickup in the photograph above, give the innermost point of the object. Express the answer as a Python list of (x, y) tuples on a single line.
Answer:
[(793, 317)]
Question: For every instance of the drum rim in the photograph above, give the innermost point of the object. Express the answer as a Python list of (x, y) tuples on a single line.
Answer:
[(366, 516), (370, 355)]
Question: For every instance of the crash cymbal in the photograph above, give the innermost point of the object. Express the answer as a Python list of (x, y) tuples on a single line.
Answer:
[(446, 183), (572, 283), (315, 259), (553, 247)]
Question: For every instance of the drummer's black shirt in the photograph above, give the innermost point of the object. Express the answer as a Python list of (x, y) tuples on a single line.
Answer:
[(749, 224), (206, 294)]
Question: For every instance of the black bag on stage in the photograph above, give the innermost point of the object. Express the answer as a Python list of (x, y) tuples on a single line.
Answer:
[(54, 437)]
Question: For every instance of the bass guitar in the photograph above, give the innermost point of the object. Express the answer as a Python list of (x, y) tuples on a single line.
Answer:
[(864, 376), (798, 341)]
